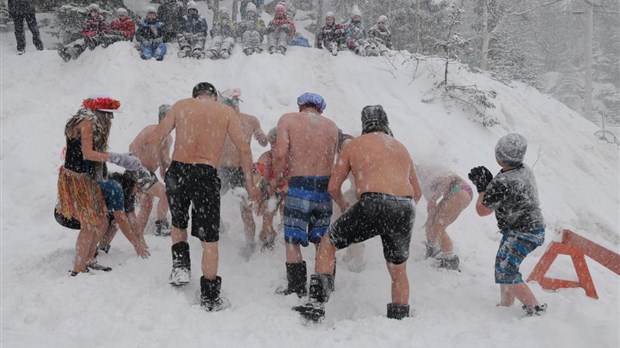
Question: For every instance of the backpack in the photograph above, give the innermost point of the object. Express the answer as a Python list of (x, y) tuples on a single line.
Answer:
[(299, 41)]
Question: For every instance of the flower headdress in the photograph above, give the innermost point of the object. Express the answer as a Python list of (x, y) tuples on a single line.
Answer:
[(102, 103)]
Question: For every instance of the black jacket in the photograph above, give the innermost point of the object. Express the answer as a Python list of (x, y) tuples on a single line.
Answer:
[(21, 7)]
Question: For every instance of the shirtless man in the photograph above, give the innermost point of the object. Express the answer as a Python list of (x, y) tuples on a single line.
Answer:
[(386, 183), (230, 170), (306, 147), (202, 125), (152, 158)]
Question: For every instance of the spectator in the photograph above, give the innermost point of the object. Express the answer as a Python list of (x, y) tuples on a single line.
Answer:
[(355, 33), (380, 37), (223, 34), (92, 32), (122, 28), (251, 30), (20, 10), (193, 34), (150, 35), (331, 35), (280, 30)]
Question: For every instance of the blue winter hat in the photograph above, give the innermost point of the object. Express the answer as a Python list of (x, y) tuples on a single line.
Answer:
[(312, 99)]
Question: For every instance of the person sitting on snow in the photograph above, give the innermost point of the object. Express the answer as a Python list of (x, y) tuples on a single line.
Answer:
[(331, 35), (380, 37), (280, 30), (171, 12), (243, 7), (251, 30), (355, 33), (194, 31), (150, 35), (223, 34), (122, 28), (92, 32)]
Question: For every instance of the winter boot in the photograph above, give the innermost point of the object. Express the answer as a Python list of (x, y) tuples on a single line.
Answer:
[(104, 248), (224, 54), (181, 264), (184, 52), (448, 261), (66, 56), (198, 54), (431, 250), (258, 49), (162, 228), (281, 49), (397, 311), (213, 54), (210, 299), (268, 242), (320, 289), (248, 51), (97, 267), (91, 42), (247, 250), (296, 274), (536, 310), (272, 49)]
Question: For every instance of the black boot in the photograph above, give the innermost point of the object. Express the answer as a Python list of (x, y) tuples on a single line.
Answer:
[(320, 289), (296, 274), (397, 311), (210, 298), (162, 228), (181, 264), (535, 310)]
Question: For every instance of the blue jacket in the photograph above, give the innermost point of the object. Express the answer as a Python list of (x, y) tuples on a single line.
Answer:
[(150, 30)]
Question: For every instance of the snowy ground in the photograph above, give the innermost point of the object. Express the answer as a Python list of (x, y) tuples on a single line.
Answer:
[(133, 306)]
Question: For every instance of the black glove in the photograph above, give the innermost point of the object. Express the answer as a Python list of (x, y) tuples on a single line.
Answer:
[(481, 177)]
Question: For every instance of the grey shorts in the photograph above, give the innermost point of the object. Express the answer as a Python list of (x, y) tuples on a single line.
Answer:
[(145, 179)]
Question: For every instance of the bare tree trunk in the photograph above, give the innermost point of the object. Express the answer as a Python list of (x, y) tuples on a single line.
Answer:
[(418, 27), (486, 36), (588, 89), (319, 15)]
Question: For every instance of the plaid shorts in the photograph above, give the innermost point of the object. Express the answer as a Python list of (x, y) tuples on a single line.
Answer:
[(513, 249)]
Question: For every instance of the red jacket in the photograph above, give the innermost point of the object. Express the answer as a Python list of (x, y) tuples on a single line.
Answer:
[(94, 26), (279, 23), (126, 26)]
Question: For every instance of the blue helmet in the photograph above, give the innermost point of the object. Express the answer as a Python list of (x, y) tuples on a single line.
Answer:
[(312, 98)]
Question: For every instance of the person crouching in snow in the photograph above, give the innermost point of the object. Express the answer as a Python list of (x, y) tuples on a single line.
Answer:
[(380, 37), (223, 34), (280, 30), (194, 31), (251, 29), (92, 31), (122, 28), (83, 191), (513, 196), (331, 35), (150, 35)]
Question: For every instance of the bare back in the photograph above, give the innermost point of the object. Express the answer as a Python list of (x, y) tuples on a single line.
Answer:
[(309, 141), (249, 126), (150, 157), (201, 128), (380, 163)]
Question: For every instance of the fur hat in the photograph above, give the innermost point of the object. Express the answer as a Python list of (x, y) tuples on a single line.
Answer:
[(251, 8), (192, 6), (510, 149), (374, 119), (151, 9), (355, 11), (121, 11), (163, 109)]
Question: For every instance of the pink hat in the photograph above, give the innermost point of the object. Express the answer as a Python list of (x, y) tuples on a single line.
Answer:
[(281, 6)]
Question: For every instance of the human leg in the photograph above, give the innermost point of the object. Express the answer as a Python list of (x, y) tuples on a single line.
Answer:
[(20, 36), (160, 51), (31, 21)]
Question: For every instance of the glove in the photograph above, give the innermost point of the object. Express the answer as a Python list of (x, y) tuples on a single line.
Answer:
[(481, 177), (285, 28), (125, 160)]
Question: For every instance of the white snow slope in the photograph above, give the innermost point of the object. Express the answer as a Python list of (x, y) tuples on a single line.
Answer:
[(134, 306)]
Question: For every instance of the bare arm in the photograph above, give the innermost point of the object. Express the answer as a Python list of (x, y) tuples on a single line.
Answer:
[(280, 152), (415, 183), (163, 129), (86, 132), (163, 156), (338, 176), (259, 134), (481, 209), (245, 153)]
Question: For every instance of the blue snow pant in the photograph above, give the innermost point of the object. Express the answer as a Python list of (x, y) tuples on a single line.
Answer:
[(150, 51)]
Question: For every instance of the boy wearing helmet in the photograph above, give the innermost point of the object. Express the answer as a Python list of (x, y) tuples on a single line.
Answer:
[(331, 35), (306, 147)]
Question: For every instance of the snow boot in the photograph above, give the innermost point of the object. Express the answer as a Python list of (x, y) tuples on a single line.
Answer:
[(162, 228), (450, 261), (397, 311), (431, 250), (184, 52), (66, 56), (536, 310), (198, 54), (104, 248), (320, 289), (272, 49), (181, 264), (210, 299), (248, 51), (268, 242), (258, 50), (296, 275), (281, 50), (212, 54), (97, 267), (224, 54)]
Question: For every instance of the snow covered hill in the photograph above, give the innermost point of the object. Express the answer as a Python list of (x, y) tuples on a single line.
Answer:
[(133, 306)]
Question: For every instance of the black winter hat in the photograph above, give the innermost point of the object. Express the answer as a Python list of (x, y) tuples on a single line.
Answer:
[(374, 119), (202, 88)]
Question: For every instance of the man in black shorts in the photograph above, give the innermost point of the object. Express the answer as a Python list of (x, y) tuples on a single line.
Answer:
[(386, 185), (192, 181)]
